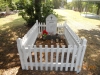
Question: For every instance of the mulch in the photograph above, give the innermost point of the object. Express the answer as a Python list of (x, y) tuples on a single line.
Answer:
[(49, 42)]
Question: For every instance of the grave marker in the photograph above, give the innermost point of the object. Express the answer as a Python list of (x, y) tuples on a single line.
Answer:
[(51, 24)]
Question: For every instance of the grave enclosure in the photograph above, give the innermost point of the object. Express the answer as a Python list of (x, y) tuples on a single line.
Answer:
[(33, 57)]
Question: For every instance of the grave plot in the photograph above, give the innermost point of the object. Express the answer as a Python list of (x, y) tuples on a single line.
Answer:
[(51, 40), (43, 46), (49, 35)]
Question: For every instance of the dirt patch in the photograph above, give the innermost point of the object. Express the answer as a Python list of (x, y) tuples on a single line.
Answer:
[(48, 42)]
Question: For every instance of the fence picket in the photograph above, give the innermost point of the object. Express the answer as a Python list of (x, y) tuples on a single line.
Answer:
[(62, 57), (45, 26), (73, 57), (46, 57), (19, 44), (39, 28), (25, 58), (30, 57), (57, 56), (35, 52), (77, 59), (67, 60), (84, 41), (52, 46), (41, 67)]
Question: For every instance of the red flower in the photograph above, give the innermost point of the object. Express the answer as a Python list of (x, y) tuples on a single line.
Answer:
[(44, 32)]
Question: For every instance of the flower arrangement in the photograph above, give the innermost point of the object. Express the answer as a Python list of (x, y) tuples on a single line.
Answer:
[(44, 34)]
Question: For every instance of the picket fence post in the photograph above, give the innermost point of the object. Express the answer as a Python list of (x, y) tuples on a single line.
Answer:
[(52, 47), (62, 57), (19, 46), (73, 57), (77, 58), (57, 57), (25, 58), (35, 52), (67, 59), (41, 67), (30, 57), (46, 57), (84, 42)]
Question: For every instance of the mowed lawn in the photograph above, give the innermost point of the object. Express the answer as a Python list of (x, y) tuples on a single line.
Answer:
[(13, 26)]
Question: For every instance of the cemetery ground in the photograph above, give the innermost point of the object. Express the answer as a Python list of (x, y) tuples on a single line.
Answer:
[(13, 27)]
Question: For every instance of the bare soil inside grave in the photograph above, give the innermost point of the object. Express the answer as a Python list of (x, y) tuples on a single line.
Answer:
[(48, 42)]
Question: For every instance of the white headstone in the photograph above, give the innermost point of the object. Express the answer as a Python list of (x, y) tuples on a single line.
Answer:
[(51, 24)]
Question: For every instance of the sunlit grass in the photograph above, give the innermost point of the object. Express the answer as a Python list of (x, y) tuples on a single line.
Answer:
[(9, 18), (61, 18), (76, 16), (11, 21)]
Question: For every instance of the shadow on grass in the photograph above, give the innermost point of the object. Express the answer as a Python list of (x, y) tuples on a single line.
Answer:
[(92, 55), (9, 33)]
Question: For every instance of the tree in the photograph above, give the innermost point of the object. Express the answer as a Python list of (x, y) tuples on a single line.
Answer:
[(32, 10), (56, 3), (59, 3), (2, 5), (7, 4)]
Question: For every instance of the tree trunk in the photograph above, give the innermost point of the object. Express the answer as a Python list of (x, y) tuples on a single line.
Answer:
[(98, 5), (98, 11)]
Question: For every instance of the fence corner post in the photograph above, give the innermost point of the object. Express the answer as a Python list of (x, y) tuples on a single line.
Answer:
[(36, 22), (19, 47), (83, 42)]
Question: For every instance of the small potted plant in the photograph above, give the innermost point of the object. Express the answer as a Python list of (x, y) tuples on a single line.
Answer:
[(44, 34)]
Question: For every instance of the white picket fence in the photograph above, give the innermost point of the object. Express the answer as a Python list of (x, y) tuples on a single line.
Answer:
[(33, 57)]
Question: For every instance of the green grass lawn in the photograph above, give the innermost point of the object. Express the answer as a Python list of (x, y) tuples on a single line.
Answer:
[(11, 20)]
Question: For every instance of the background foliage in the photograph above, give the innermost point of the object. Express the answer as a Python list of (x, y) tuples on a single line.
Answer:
[(10, 3), (91, 7), (33, 10)]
